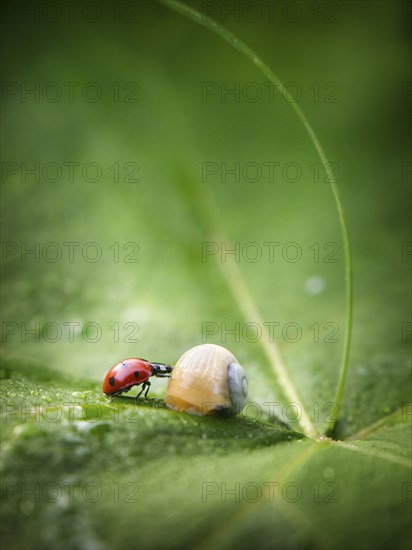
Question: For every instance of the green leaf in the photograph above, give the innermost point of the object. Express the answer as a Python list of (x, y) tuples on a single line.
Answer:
[(79, 471), (212, 483)]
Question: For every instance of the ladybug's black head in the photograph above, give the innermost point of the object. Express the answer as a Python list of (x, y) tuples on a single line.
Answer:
[(160, 370)]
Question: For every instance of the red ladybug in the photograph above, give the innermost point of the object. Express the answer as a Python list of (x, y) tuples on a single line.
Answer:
[(133, 372)]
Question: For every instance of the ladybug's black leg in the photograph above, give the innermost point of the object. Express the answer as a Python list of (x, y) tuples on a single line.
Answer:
[(146, 386), (141, 391)]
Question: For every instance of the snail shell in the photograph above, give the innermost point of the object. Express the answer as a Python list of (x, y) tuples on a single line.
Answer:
[(207, 379)]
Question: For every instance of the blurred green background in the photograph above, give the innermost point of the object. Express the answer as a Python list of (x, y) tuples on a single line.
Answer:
[(149, 132)]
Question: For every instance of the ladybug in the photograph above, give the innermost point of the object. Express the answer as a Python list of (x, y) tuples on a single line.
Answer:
[(133, 372)]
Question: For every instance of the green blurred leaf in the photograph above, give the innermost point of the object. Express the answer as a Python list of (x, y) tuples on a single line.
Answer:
[(170, 293)]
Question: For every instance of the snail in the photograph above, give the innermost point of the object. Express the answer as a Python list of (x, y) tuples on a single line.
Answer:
[(207, 379)]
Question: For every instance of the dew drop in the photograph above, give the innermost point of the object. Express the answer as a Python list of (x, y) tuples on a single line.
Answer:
[(329, 473), (315, 285), (78, 395)]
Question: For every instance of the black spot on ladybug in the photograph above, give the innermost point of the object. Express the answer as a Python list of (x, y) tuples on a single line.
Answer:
[(124, 365), (136, 373), (112, 381)]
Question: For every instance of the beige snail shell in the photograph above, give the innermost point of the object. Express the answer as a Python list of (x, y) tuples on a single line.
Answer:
[(207, 379)]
